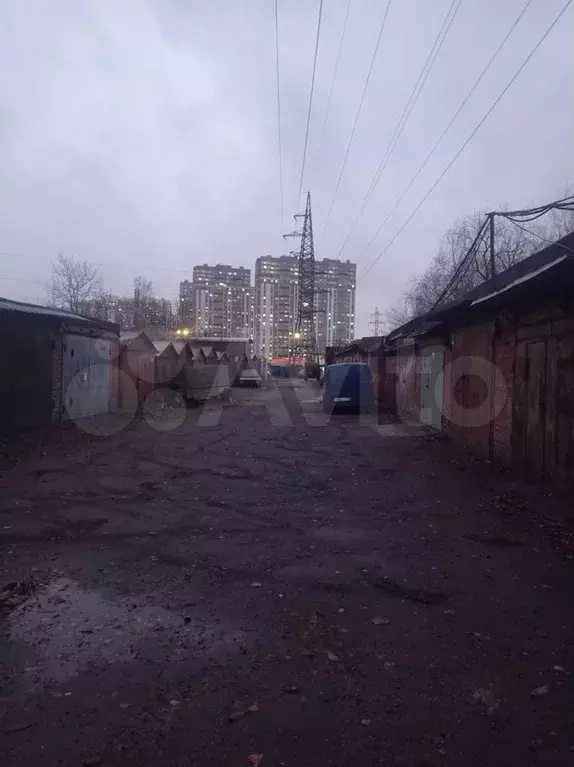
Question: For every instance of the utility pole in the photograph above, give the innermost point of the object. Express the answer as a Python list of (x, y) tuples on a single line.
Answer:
[(303, 345), (375, 321), (492, 259)]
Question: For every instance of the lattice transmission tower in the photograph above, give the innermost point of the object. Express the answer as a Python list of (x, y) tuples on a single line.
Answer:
[(303, 346)]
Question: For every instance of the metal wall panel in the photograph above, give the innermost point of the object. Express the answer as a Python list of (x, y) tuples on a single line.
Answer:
[(86, 375)]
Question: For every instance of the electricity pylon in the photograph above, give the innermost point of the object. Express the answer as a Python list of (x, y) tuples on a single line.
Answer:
[(303, 347)]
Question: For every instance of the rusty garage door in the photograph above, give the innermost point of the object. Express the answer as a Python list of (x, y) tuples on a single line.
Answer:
[(543, 418)]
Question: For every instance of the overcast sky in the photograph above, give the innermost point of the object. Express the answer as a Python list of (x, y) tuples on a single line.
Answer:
[(142, 134)]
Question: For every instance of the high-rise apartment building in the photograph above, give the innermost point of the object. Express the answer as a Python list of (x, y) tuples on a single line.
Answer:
[(275, 304), (335, 283), (185, 302), (221, 301), (276, 296)]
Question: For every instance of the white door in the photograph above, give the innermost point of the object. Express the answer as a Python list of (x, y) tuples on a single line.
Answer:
[(86, 375)]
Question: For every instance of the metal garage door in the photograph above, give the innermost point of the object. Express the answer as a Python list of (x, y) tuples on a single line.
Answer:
[(86, 376), (432, 361)]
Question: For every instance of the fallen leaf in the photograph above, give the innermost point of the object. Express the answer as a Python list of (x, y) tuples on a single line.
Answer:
[(341, 610), (255, 759), (253, 707), (332, 656), (366, 722), (542, 690), (381, 621), (559, 668), (256, 584), (291, 689)]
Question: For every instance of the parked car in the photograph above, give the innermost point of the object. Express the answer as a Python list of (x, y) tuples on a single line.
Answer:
[(348, 386), (249, 377)]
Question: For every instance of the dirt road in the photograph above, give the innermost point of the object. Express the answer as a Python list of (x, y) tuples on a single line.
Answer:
[(261, 580)]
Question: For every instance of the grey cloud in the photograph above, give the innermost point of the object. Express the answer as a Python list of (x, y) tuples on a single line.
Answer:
[(143, 134)]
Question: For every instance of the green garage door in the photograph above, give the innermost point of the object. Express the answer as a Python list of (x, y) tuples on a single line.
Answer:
[(432, 361)]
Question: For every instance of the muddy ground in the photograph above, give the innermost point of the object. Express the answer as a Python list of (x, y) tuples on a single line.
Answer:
[(261, 580)]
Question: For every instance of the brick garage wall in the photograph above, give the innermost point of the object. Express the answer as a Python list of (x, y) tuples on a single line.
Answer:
[(406, 370), (447, 394), (57, 362), (416, 402), (388, 385), (504, 357)]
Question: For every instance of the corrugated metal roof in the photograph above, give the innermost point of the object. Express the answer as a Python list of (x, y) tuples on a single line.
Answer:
[(49, 311), (522, 271), (161, 346), (179, 346), (129, 335), (520, 280)]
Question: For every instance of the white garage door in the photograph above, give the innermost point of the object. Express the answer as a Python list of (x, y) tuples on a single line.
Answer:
[(86, 376)]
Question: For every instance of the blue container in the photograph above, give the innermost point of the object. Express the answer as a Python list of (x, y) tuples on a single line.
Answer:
[(348, 386)]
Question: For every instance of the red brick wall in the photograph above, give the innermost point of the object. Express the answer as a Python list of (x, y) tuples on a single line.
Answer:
[(57, 361), (406, 377), (387, 386), (505, 350)]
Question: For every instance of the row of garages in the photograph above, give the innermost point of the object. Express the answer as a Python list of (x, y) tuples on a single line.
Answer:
[(59, 365), (493, 370)]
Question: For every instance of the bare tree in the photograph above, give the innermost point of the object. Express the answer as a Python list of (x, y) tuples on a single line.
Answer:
[(74, 284), (397, 314), (512, 244), (559, 224), (143, 288)]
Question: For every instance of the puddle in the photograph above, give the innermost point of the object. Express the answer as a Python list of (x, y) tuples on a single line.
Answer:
[(71, 628)]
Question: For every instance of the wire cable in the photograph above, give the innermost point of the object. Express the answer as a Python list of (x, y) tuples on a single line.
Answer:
[(403, 119), (470, 137), (466, 260), (336, 70), (279, 110), (351, 138), (564, 203), (310, 101), (446, 130), (540, 237)]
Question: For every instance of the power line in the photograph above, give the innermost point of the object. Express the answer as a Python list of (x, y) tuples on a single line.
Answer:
[(467, 258), (279, 109), (540, 237), (17, 279), (532, 214), (310, 101), (445, 131), (117, 264), (336, 70), (381, 30), (469, 139), (403, 119)]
